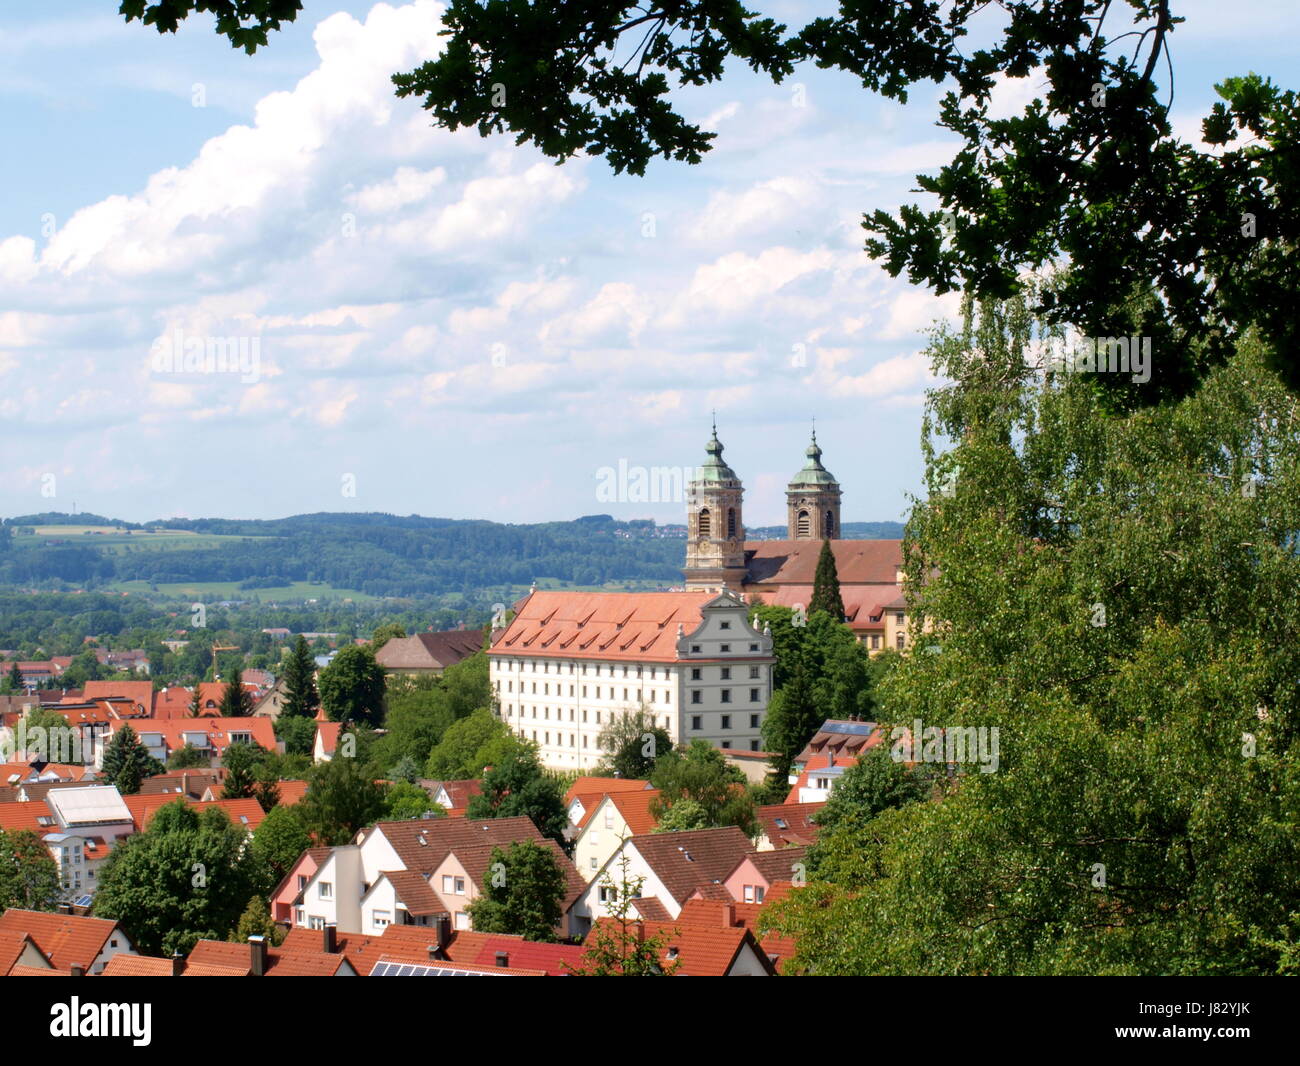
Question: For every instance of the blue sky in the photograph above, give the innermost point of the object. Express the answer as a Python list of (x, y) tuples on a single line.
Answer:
[(447, 325)]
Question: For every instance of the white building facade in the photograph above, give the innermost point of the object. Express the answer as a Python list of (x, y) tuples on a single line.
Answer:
[(571, 663)]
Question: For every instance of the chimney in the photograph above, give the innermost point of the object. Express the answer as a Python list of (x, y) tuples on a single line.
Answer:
[(65, 908), (503, 958), (442, 923), (178, 964), (257, 955), (729, 914), (78, 971), (331, 939)]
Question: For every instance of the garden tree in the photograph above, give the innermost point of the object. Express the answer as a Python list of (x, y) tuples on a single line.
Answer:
[(278, 841), (405, 769), (826, 585), (187, 757), (468, 746), (126, 762), (699, 772), (300, 696), (85, 666), (619, 947), (15, 678), (257, 921), (793, 715), (352, 686), (876, 783), (385, 633), (341, 798), (419, 714), (1115, 595), (266, 786), (236, 701), (518, 785), (196, 707), (404, 801), (523, 890), (242, 763), (298, 734), (29, 877), (186, 878), (683, 815), (45, 734), (1089, 171), (633, 743)]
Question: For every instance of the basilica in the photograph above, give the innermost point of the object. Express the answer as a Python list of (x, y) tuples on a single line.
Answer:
[(780, 572)]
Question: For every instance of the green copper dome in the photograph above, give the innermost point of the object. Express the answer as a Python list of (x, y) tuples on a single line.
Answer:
[(715, 468), (813, 473)]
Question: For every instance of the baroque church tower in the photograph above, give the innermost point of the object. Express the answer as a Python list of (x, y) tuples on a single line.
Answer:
[(715, 533), (813, 500)]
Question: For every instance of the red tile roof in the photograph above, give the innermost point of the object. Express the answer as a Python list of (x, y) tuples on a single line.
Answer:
[(138, 692), (279, 961), (794, 562), (12, 946), (137, 966), (789, 823), (699, 950), (603, 786), (626, 626), (684, 861), (429, 651), (67, 940)]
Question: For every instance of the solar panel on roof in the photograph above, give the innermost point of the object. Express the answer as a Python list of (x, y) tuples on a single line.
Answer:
[(82, 901), (857, 729)]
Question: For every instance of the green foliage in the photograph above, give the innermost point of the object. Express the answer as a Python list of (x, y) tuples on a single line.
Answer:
[(404, 801), (826, 585), (517, 785), (352, 686), (29, 877), (257, 921), (242, 763), (468, 746), (341, 799), (383, 634), (634, 743), (406, 769), (278, 841), (300, 696), (683, 815), (187, 877), (236, 701), (187, 757), (298, 734), (523, 890), (1116, 596), (699, 772), (126, 762)]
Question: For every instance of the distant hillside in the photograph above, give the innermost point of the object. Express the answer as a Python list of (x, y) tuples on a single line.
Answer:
[(849, 531), (375, 554)]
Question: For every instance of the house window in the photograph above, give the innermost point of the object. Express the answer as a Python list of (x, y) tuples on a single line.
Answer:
[(593, 862), (731, 522), (382, 918), (753, 695), (595, 837), (726, 695), (875, 640), (753, 673), (695, 722), (823, 782), (726, 744), (726, 721), (326, 890), (753, 721), (749, 894), (695, 649), (703, 525), (898, 617), (695, 696), (448, 884), (753, 745), (724, 648), (695, 673), (801, 525), (898, 641), (460, 886), (315, 922), (726, 673), (724, 625)]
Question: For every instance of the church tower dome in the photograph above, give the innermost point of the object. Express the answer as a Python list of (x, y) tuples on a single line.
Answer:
[(715, 531), (813, 500)]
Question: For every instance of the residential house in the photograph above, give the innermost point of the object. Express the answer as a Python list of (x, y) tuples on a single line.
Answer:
[(755, 874), (210, 736), (610, 821), (70, 942), (787, 825), (696, 949), (669, 866), (258, 959), (428, 654)]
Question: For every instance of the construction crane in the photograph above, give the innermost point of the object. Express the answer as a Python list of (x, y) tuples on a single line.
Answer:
[(216, 648)]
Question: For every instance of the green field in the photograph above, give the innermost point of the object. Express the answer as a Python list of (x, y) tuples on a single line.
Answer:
[(216, 591), (112, 540)]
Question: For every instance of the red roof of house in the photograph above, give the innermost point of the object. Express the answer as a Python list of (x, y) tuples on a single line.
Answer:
[(138, 966), (787, 824), (216, 730), (603, 786), (67, 940), (794, 562), (700, 950), (633, 806), (12, 946), (280, 962), (138, 692), (245, 812), (627, 626)]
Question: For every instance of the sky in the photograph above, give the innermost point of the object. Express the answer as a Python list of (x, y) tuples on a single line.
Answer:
[(436, 323)]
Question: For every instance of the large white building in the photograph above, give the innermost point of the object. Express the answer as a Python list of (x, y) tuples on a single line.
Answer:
[(570, 663)]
